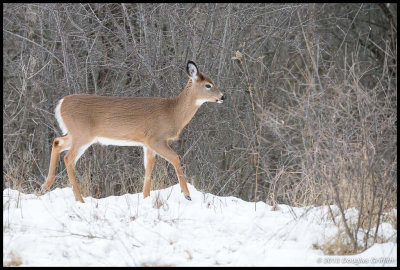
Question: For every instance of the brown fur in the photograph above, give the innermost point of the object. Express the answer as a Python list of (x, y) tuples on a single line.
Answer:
[(152, 121)]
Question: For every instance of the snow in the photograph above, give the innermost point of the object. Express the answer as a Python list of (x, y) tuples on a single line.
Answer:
[(165, 229)]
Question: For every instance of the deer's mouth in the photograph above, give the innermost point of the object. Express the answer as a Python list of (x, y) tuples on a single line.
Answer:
[(221, 99)]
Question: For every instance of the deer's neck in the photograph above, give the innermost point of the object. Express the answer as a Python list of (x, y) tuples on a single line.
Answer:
[(186, 106)]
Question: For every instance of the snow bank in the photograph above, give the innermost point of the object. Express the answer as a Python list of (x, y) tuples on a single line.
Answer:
[(165, 229)]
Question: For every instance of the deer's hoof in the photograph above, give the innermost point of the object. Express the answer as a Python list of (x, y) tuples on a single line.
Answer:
[(187, 197), (43, 189)]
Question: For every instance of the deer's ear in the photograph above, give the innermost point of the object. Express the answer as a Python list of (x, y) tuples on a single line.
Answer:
[(192, 70)]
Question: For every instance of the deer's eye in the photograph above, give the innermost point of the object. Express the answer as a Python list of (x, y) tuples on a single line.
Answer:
[(208, 86)]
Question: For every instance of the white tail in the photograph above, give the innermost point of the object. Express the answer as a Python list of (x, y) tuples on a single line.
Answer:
[(150, 122)]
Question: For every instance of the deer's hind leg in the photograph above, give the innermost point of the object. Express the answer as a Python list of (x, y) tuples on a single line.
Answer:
[(70, 159), (60, 144)]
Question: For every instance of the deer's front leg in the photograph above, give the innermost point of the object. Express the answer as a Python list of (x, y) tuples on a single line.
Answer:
[(164, 150), (149, 160)]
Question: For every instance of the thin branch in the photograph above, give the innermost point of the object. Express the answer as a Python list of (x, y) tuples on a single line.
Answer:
[(31, 41)]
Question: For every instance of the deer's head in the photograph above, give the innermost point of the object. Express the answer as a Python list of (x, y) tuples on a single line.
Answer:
[(203, 88)]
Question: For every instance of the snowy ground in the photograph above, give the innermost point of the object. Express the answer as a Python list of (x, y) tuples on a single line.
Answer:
[(55, 230)]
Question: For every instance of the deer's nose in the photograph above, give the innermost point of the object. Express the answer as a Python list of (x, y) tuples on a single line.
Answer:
[(221, 99)]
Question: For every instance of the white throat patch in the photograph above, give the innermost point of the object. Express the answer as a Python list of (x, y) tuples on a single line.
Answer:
[(200, 101)]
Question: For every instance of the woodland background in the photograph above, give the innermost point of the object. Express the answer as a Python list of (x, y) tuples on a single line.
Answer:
[(310, 116)]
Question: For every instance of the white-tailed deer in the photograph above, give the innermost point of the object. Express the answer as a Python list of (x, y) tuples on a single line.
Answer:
[(150, 122)]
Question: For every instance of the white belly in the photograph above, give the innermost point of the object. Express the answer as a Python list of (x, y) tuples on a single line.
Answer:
[(108, 141)]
